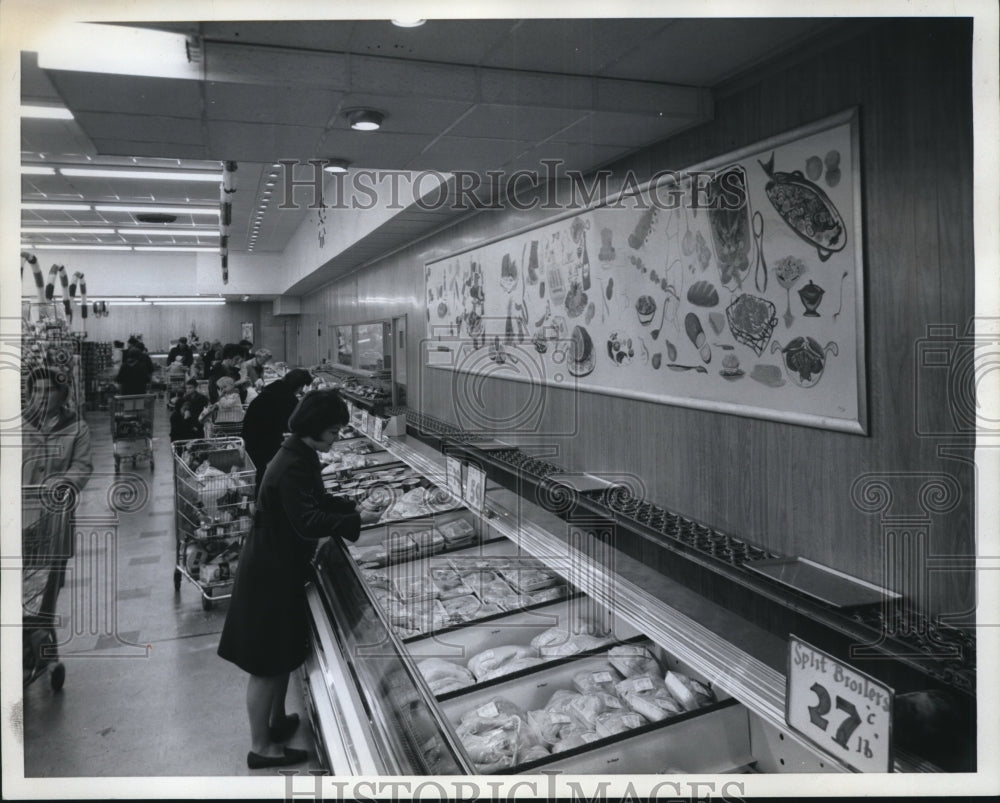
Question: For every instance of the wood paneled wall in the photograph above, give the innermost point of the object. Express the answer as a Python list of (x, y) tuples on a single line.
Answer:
[(159, 325), (788, 487)]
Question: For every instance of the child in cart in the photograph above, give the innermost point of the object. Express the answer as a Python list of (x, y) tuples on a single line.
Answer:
[(229, 407)]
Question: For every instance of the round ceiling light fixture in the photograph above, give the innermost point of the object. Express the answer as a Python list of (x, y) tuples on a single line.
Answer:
[(365, 119), (407, 22), (336, 165)]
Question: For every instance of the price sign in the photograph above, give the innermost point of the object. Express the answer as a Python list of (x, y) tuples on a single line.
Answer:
[(453, 475), (844, 712), (365, 423), (379, 424), (475, 488)]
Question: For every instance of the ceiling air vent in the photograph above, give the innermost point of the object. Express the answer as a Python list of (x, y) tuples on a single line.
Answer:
[(155, 217)]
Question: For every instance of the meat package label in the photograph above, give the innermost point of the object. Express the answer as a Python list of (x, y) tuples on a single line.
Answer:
[(602, 677), (488, 711)]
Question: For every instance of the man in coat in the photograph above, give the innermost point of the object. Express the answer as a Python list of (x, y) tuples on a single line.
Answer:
[(266, 419)]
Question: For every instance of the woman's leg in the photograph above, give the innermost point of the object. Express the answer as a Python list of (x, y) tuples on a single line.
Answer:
[(261, 692), (278, 701)]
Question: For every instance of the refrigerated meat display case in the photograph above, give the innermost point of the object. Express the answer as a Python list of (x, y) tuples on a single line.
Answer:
[(390, 685)]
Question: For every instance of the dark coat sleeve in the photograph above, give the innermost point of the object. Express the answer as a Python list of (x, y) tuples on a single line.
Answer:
[(305, 509)]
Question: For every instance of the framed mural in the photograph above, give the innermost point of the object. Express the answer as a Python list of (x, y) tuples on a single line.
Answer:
[(734, 286)]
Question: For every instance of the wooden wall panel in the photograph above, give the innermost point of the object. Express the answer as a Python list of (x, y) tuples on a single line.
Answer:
[(786, 487), (159, 325)]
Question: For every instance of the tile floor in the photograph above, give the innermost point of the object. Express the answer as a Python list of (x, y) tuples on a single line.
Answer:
[(145, 693)]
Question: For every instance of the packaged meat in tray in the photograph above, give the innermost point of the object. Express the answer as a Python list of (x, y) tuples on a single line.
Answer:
[(494, 658), (444, 676), (449, 583), (497, 592), (400, 546), (514, 665), (369, 557), (689, 692), (529, 580), (457, 533), (428, 616), (588, 681), (415, 589), (648, 695), (467, 608), (497, 735), (615, 722), (428, 541), (549, 594), (558, 642), (633, 660)]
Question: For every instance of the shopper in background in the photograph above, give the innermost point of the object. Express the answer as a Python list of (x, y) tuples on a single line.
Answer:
[(55, 453), (176, 374), (196, 400), (184, 425), (136, 372), (229, 366), (182, 350), (266, 419), (254, 368), (266, 628)]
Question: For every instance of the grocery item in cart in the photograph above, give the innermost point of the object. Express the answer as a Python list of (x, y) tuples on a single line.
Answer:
[(633, 660), (612, 723), (588, 681), (689, 692), (494, 658), (444, 676), (648, 695)]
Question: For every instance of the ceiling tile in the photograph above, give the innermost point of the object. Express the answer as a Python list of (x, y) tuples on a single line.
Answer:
[(402, 79), (571, 156), (131, 147), (625, 130), (128, 94), (461, 153), (331, 35), (465, 41), (571, 46), (383, 150), (144, 128), (261, 143), (54, 136), (515, 122), (282, 105)]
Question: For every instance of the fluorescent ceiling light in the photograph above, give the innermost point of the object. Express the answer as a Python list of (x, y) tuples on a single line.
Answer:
[(171, 232), (184, 299), (118, 299), (129, 303), (46, 112), (56, 207), (76, 247), (146, 175), (116, 49), (31, 170), (183, 248), (64, 230), (161, 210), (218, 303)]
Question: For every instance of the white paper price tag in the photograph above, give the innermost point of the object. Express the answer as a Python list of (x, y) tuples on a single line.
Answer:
[(846, 713), (453, 475), (475, 488), (378, 432), (365, 423)]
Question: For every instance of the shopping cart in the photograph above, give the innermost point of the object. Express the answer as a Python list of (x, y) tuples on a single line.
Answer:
[(225, 422), (176, 385), (213, 508), (44, 555), (132, 428)]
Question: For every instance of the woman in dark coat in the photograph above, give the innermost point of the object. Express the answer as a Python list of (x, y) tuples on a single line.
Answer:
[(266, 419), (266, 628)]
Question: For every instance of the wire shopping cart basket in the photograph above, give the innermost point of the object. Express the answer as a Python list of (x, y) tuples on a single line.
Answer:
[(132, 428), (45, 528)]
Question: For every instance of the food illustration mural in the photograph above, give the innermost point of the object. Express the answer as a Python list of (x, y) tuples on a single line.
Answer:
[(811, 296), (805, 359), (730, 226), (670, 308), (806, 209)]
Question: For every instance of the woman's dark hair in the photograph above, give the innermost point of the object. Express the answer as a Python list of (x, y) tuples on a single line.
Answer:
[(318, 411), (297, 378)]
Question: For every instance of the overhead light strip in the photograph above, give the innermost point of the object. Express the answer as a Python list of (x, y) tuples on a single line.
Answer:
[(170, 232), (164, 210), (46, 112), (146, 175)]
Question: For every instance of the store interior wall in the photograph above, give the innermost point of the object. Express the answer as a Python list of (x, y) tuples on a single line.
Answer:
[(786, 487), (159, 325)]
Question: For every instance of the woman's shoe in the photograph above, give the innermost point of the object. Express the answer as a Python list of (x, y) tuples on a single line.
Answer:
[(255, 761), (283, 731)]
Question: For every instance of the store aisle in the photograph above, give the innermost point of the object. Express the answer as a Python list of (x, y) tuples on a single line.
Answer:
[(145, 693)]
